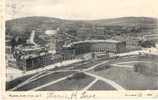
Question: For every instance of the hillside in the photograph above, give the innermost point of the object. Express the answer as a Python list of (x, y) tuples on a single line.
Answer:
[(127, 21), (81, 28), (28, 23)]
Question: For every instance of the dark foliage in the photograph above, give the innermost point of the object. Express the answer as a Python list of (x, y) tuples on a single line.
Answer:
[(147, 44)]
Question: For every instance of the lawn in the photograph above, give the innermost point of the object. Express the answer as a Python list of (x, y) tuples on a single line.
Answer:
[(17, 81), (100, 85), (69, 84), (44, 80), (129, 79)]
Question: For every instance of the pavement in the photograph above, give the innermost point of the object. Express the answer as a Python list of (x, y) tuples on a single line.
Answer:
[(90, 84)]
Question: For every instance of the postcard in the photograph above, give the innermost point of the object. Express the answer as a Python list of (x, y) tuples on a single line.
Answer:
[(79, 49)]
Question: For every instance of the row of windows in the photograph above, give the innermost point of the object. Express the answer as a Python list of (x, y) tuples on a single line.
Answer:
[(34, 63), (103, 49)]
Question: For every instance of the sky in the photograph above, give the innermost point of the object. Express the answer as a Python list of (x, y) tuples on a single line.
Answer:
[(81, 9)]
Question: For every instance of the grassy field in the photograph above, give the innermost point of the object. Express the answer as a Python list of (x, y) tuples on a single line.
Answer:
[(44, 80), (100, 85), (69, 84), (129, 79), (17, 81)]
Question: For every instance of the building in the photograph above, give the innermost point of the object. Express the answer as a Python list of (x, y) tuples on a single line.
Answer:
[(152, 37), (81, 48), (32, 58), (84, 33), (56, 40), (98, 46), (31, 55), (60, 41), (68, 53), (98, 32), (108, 46), (51, 40)]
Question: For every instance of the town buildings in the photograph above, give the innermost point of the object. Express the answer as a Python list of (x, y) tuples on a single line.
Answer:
[(153, 37), (32, 58), (86, 46)]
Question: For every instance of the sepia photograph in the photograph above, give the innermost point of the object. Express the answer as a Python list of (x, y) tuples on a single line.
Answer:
[(81, 45)]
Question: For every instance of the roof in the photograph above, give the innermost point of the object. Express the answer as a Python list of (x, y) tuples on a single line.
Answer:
[(51, 32), (33, 55), (29, 48), (94, 41)]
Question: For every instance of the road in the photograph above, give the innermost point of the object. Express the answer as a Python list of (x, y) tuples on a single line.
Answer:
[(84, 70), (82, 67), (51, 83), (90, 85), (110, 82)]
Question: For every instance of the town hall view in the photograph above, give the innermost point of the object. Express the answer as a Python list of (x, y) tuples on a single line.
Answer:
[(53, 54)]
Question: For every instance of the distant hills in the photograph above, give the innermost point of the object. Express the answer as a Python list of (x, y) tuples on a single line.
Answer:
[(127, 21), (123, 25)]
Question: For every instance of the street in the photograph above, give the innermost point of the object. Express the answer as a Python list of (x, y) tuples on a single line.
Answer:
[(112, 78)]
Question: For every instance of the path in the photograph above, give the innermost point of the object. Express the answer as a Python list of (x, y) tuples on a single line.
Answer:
[(110, 82), (51, 83), (88, 69), (126, 66), (90, 85)]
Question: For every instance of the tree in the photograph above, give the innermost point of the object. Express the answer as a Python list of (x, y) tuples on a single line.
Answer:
[(147, 44)]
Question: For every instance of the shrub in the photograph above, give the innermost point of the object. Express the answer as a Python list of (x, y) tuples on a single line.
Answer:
[(102, 67), (79, 75), (147, 44), (146, 68)]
